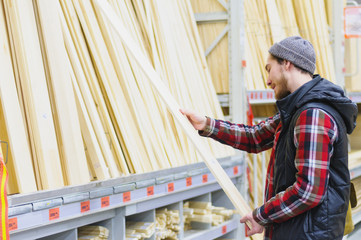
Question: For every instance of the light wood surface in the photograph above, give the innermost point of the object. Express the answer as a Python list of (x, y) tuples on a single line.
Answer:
[(162, 90)]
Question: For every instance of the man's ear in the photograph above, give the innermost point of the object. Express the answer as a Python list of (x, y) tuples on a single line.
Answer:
[(287, 64)]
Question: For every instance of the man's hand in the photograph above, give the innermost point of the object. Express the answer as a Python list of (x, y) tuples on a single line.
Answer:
[(255, 227), (198, 121)]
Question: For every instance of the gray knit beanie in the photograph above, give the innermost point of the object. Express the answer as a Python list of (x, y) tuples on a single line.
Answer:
[(298, 51)]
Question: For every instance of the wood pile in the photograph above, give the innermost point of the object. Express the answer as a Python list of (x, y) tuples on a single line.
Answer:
[(260, 179), (355, 137), (357, 184), (93, 233), (200, 215), (217, 59), (266, 22), (76, 107), (353, 64), (139, 230), (167, 224)]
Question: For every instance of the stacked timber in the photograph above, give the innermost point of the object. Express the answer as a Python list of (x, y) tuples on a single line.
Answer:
[(139, 230), (353, 64), (355, 137), (211, 32), (357, 185), (167, 224), (202, 215), (93, 233), (266, 22), (75, 106)]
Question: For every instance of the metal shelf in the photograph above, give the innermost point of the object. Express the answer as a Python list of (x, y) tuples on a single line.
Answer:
[(213, 232), (355, 172), (60, 212), (254, 97), (356, 218), (355, 96)]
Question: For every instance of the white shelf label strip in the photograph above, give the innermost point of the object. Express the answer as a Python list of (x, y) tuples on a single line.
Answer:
[(43, 217)]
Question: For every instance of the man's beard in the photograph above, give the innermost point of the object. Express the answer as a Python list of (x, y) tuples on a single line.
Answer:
[(282, 89)]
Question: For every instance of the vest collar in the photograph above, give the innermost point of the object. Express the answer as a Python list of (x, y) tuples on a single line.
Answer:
[(287, 105)]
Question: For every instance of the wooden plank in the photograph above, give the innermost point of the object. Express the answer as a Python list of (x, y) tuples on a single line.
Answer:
[(137, 148), (274, 19), (35, 91), (157, 83), (21, 176), (93, 146), (88, 83), (70, 141)]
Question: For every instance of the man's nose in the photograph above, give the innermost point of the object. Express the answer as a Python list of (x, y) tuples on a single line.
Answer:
[(268, 82)]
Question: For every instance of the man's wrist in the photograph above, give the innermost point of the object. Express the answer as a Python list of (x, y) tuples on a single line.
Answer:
[(207, 129)]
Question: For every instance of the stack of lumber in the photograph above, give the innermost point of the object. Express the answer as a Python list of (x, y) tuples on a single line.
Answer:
[(203, 215), (269, 21), (167, 224), (354, 159), (93, 233), (357, 184), (355, 137), (75, 106), (353, 64), (217, 59), (260, 180), (139, 230)]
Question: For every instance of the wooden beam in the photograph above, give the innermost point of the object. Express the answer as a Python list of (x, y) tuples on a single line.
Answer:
[(221, 176), (58, 75), (32, 76), (21, 176)]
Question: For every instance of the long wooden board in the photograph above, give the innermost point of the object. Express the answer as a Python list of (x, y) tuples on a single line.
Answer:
[(36, 97), (69, 136), (216, 169), (21, 177)]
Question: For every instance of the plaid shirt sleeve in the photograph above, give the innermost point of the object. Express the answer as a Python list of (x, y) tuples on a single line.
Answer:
[(252, 139), (314, 134)]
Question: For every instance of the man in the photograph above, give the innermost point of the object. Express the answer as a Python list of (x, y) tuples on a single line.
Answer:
[(308, 182)]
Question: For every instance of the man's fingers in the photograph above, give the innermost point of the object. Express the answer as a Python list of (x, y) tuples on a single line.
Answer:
[(243, 219)]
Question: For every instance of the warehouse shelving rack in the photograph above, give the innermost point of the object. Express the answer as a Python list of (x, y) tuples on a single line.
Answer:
[(56, 214)]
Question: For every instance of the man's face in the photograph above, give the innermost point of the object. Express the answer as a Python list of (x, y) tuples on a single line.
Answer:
[(276, 78)]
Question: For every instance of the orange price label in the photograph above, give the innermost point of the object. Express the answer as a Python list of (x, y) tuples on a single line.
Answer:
[(170, 187), (54, 213), (205, 178), (189, 181), (126, 197), (150, 191), (84, 206), (224, 229), (13, 224), (104, 201), (235, 170)]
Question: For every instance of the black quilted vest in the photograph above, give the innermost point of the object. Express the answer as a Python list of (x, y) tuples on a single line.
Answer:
[(327, 220)]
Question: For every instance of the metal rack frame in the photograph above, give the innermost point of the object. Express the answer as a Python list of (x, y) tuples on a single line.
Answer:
[(56, 214)]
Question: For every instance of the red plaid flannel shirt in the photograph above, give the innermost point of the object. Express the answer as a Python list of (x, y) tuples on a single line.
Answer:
[(314, 134)]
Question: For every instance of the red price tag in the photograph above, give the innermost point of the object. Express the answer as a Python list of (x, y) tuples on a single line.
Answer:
[(104, 201), (126, 197), (170, 187), (224, 229), (150, 191), (84, 206), (235, 170), (205, 178), (54, 213), (13, 224), (189, 181)]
